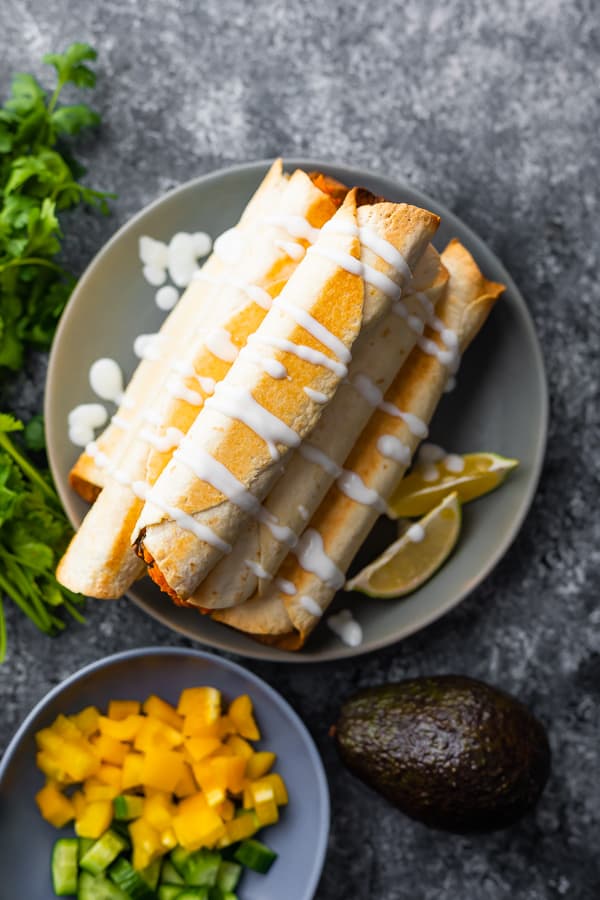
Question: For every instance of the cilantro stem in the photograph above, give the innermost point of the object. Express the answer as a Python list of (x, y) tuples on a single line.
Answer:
[(55, 95), (2, 633), (32, 261), (73, 611), (33, 475), (8, 589)]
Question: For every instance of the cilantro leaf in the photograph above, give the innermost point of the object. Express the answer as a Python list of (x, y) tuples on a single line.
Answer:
[(70, 65)]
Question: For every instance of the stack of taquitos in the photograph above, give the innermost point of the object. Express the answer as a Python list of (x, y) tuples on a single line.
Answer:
[(268, 443)]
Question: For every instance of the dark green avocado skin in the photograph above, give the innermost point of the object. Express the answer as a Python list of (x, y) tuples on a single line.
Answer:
[(449, 751)]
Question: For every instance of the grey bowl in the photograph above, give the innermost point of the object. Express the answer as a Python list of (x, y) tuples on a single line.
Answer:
[(300, 836), (500, 402)]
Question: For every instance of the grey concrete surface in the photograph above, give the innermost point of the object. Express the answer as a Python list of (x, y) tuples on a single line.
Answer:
[(494, 109)]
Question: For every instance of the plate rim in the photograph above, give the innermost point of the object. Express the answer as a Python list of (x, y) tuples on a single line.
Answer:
[(351, 174), (323, 826)]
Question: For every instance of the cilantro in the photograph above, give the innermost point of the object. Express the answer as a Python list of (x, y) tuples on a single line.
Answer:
[(38, 180), (34, 533)]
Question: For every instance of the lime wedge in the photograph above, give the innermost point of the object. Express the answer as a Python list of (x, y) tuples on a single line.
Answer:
[(411, 560), (471, 476)]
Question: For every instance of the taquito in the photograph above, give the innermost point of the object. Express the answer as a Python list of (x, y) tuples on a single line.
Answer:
[(231, 299), (273, 395), (317, 567), (379, 354)]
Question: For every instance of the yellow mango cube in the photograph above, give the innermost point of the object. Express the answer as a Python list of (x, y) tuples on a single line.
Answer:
[(229, 771), (66, 728), (226, 810), (201, 747), (97, 790), (50, 766), (200, 699), (162, 769), (79, 760), (146, 841), (240, 713), (158, 811), (267, 812), (110, 775), (95, 819), (259, 764), (131, 774), (239, 746), (196, 824), (186, 786), (109, 750), (121, 729), (50, 741), (54, 806), (280, 793), (239, 829), (87, 720), (160, 709), (261, 791), (155, 734), (168, 839), (121, 709), (79, 802)]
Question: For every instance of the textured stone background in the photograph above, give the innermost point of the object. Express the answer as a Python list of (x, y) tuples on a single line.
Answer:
[(494, 109)]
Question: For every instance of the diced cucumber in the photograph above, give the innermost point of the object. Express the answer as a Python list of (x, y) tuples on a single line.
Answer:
[(194, 893), (255, 856), (128, 806), (169, 874), (179, 857), (151, 874), (201, 868), (65, 855), (228, 876), (103, 852), (169, 891), (84, 846), (98, 887), (122, 828), (125, 876)]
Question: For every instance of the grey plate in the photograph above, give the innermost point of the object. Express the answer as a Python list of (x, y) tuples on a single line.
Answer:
[(300, 836), (500, 403)]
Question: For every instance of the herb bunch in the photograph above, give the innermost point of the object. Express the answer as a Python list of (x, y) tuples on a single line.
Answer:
[(39, 179)]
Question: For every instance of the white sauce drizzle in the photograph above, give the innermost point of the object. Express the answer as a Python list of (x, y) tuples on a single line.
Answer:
[(311, 555), (429, 472), (236, 402), (143, 490), (100, 458), (307, 354), (176, 388), (121, 423), (430, 453), (153, 252), (147, 346), (163, 442), (353, 486), (297, 226), (320, 333), (218, 341), (271, 366), (393, 448), (416, 533), (285, 586), (346, 627), (454, 463), (310, 605), (293, 250), (166, 297), (154, 275), (369, 238), (367, 388), (106, 379), (257, 569), (316, 396), (229, 246), (349, 263), (303, 513), (261, 297), (83, 419)]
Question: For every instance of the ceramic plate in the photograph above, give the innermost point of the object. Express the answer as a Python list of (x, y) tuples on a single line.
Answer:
[(300, 836), (500, 402)]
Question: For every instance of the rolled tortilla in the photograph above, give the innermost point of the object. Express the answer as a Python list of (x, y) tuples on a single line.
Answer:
[(378, 357), (196, 303), (230, 301), (317, 567), (241, 440)]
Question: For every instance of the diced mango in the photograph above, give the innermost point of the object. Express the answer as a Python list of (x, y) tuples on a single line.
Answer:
[(79, 803), (239, 746), (267, 812), (247, 798), (131, 775), (66, 728), (261, 792), (146, 843), (162, 769), (112, 775), (50, 741), (200, 699), (186, 786), (280, 793), (79, 760), (121, 729), (121, 709), (162, 710), (155, 734), (259, 764), (240, 713), (54, 806), (226, 726), (87, 720), (50, 766), (201, 747), (239, 829), (230, 771), (195, 725), (109, 750), (196, 824), (168, 838), (158, 810), (95, 819), (98, 790), (226, 810)]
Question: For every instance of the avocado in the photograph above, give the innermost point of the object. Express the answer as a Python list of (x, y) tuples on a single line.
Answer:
[(449, 751)]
